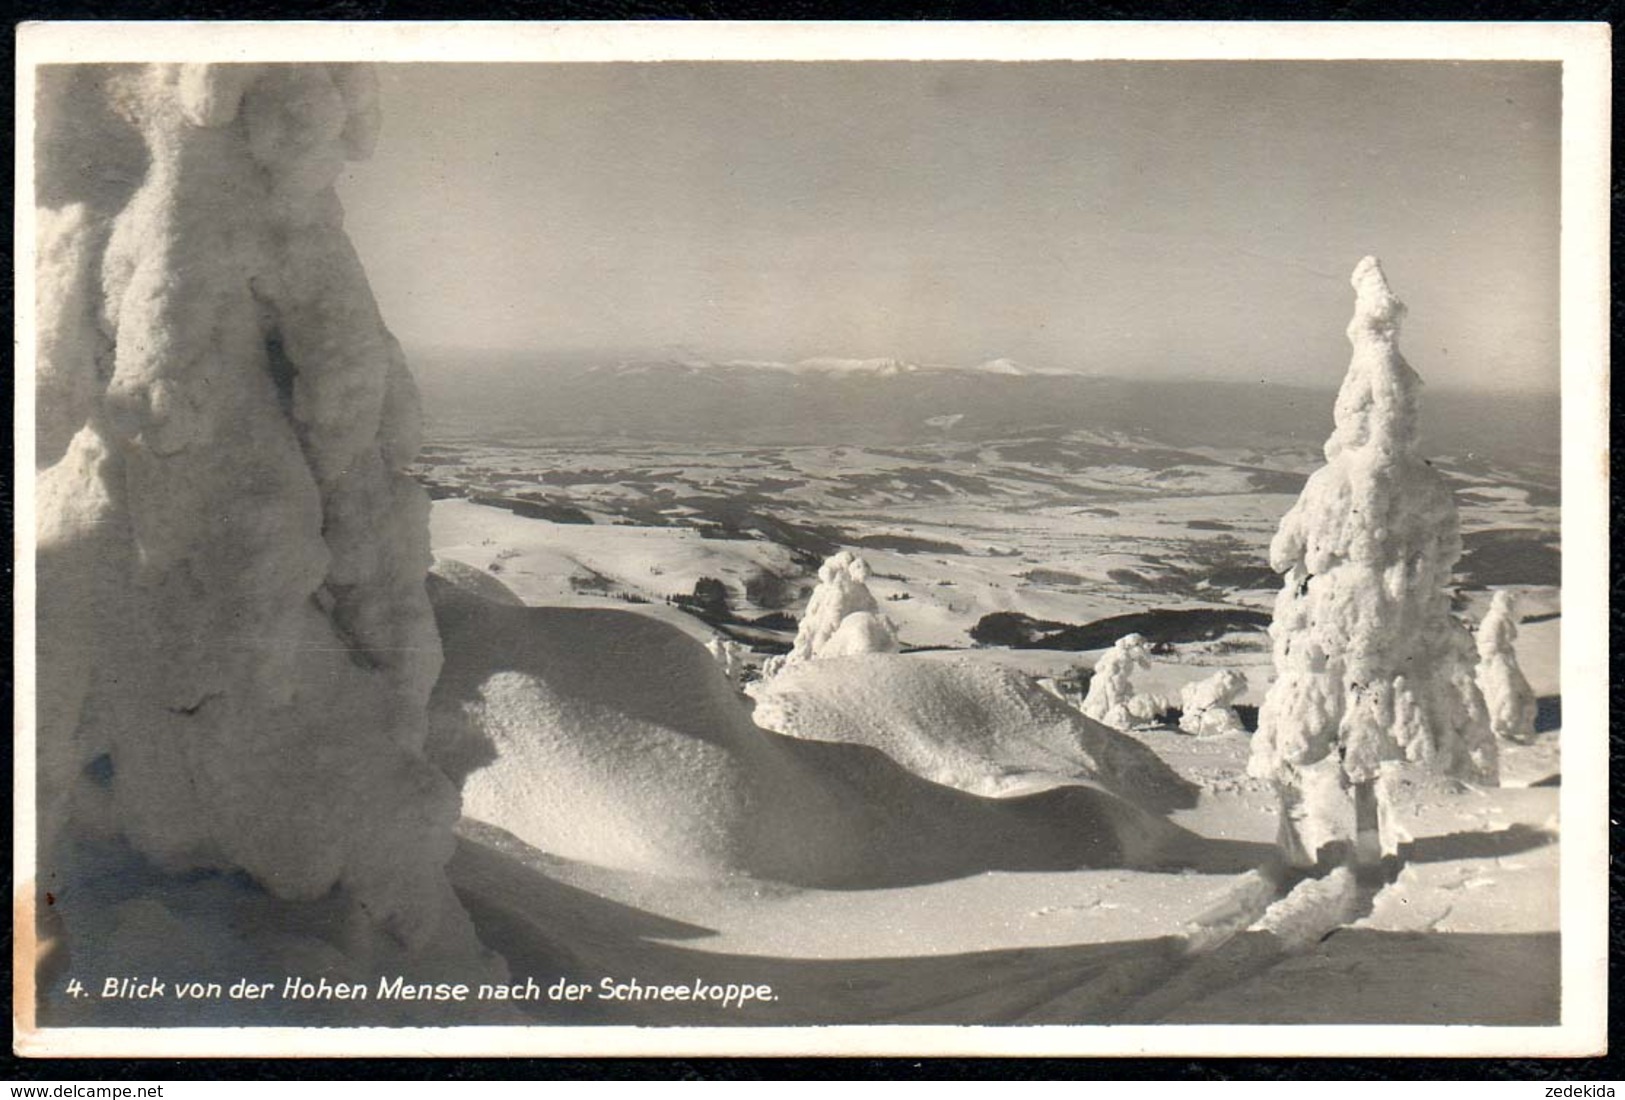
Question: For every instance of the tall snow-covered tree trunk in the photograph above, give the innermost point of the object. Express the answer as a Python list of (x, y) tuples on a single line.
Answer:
[(235, 646), (1371, 667)]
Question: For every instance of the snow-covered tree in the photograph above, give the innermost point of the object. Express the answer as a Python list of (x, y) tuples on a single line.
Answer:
[(236, 648), (1507, 694), (1206, 706), (842, 618), (1370, 665), (1112, 698), (730, 655)]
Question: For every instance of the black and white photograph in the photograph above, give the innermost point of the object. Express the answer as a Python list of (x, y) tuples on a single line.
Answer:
[(811, 538)]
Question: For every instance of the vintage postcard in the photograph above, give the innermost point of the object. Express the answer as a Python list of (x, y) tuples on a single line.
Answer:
[(811, 538)]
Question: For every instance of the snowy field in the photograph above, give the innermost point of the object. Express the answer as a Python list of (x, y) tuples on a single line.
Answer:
[(918, 919), (952, 533)]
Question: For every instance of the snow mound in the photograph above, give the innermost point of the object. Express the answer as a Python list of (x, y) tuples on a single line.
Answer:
[(235, 646), (1312, 910), (476, 582), (615, 739), (976, 727)]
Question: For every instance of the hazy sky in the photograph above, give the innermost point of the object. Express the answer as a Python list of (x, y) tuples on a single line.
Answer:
[(1121, 217)]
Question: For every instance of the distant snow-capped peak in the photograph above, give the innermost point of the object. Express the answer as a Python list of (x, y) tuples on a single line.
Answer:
[(1003, 366), (831, 365), (1008, 366)]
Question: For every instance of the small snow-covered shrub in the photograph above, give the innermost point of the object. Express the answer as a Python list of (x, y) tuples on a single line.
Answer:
[(1112, 697), (1507, 694), (842, 617), (1207, 706)]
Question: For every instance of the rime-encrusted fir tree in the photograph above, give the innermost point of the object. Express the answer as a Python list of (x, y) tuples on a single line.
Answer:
[(1207, 707), (236, 647), (842, 618), (1507, 694), (730, 655), (1370, 664), (1113, 699)]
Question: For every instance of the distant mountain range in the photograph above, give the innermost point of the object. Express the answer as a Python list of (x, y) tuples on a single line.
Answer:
[(824, 365), (882, 400)]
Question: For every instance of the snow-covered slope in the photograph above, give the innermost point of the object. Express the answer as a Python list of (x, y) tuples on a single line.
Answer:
[(476, 582)]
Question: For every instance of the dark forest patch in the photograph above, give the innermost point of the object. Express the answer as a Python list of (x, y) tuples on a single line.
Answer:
[(907, 544), (1510, 555), (534, 506), (1053, 576), (1014, 630), (1243, 577)]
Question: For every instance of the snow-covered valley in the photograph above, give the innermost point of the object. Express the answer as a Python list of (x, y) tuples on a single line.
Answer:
[(1022, 925)]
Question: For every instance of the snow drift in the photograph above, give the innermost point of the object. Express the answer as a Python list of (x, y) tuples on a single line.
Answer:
[(476, 582), (613, 738), (979, 728), (235, 648)]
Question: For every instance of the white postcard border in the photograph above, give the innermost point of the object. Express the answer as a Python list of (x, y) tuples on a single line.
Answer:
[(1584, 51)]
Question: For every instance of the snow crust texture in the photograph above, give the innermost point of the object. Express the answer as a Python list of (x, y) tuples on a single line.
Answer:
[(981, 729), (1112, 698), (1370, 664), (1207, 706), (235, 647), (842, 617), (1507, 694)]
